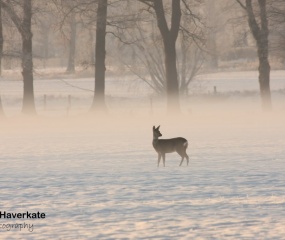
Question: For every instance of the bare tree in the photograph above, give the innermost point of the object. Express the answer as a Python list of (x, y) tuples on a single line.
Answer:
[(24, 26), (1, 38), (1, 52), (260, 33), (86, 10), (147, 61), (67, 16), (169, 36), (100, 55), (45, 23)]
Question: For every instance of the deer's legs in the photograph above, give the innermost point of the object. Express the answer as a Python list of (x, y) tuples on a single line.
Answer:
[(187, 157), (181, 161), (183, 154), (158, 160), (163, 158)]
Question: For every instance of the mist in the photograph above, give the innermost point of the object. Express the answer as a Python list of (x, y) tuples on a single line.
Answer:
[(84, 85)]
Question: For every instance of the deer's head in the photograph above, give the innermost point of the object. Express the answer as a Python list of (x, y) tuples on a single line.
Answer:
[(156, 132)]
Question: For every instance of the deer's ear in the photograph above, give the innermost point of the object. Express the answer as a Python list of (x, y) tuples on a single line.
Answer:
[(153, 128), (158, 127)]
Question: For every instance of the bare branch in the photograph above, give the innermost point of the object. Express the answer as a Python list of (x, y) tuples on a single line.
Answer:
[(14, 17), (241, 4), (121, 40), (147, 2)]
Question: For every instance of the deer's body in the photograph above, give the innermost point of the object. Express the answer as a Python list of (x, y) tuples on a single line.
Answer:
[(163, 146)]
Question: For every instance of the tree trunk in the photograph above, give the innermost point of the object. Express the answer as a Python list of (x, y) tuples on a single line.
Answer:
[(172, 88), (1, 52), (25, 29), (72, 45), (264, 67), (169, 36), (27, 61), (100, 55), (260, 34), (1, 38), (264, 76)]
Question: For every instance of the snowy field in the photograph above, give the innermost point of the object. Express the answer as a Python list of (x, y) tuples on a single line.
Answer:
[(103, 183), (98, 178)]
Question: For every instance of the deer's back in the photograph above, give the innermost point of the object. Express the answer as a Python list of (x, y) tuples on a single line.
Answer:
[(170, 145)]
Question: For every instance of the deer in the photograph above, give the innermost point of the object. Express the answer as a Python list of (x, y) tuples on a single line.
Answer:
[(163, 146)]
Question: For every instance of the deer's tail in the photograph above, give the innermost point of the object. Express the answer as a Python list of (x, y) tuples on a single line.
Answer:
[(185, 144)]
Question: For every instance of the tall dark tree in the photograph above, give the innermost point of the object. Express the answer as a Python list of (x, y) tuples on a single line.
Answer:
[(24, 26), (1, 51), (260, 33), (169, 36), (1, 38), (100, 55)]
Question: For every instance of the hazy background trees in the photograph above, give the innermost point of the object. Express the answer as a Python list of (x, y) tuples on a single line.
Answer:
[(276, 13), (21, 13), (258, 24), (164, 43), (147, 59)]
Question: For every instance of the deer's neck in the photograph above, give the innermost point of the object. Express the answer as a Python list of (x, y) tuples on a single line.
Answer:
[(155, 141)]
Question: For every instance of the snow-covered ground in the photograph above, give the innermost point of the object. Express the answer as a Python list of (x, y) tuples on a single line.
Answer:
[(100, 181), (240, 81), (97, 178)]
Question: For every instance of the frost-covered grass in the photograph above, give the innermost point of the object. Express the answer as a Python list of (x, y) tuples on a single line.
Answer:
[(98, 179)]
